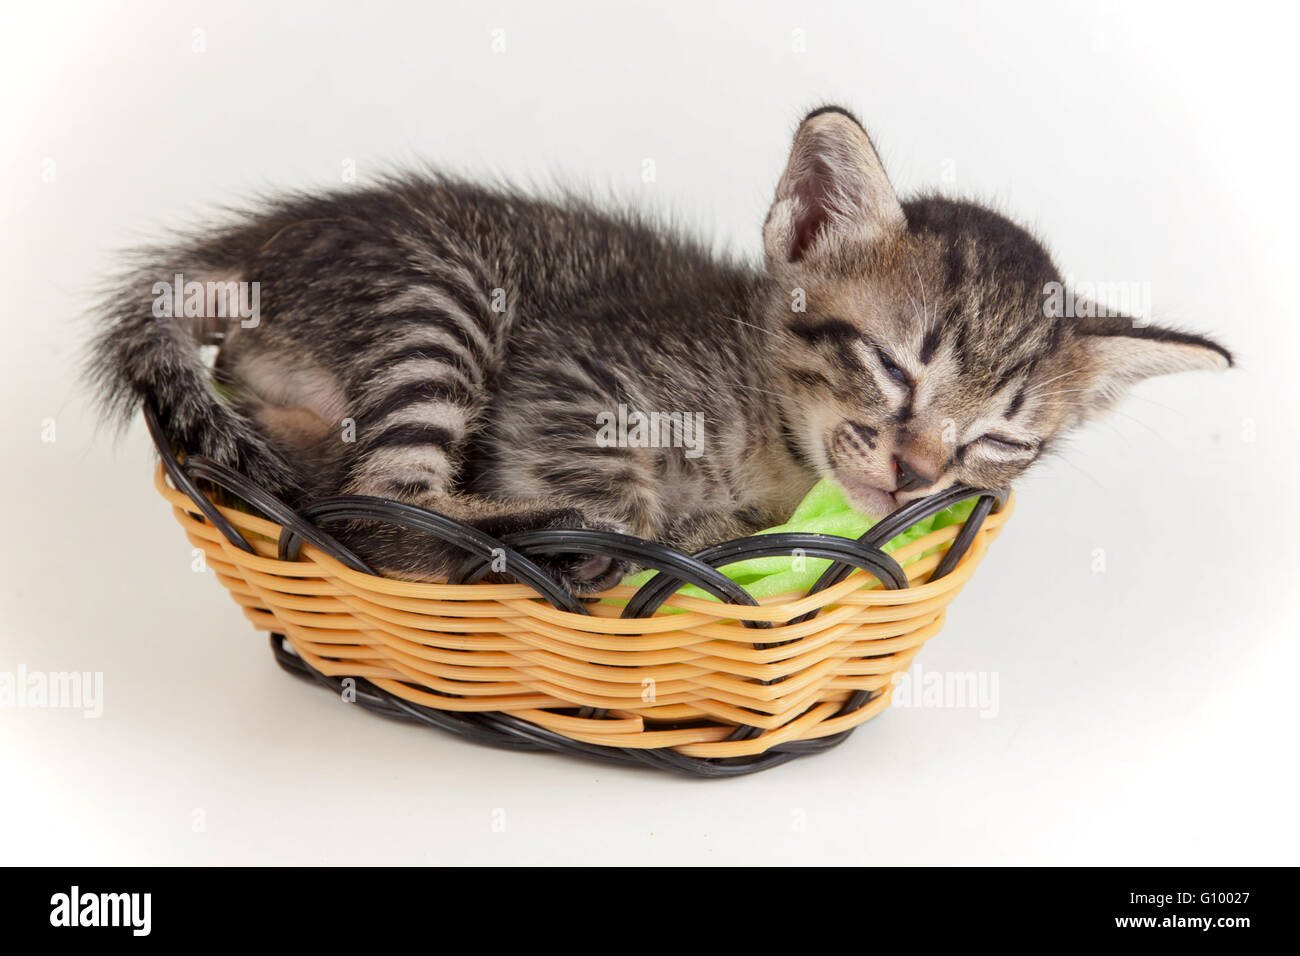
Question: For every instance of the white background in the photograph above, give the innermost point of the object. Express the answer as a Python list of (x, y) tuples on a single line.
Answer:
[(1146, 714)]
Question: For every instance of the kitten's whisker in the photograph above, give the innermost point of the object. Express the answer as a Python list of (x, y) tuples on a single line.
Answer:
[(1139, 422), (1088, 475), (1151, 401), (751, 325), (1112, 411), (915, 310), (755, 388), (1054, 378), (1064, 391), (925, 307)]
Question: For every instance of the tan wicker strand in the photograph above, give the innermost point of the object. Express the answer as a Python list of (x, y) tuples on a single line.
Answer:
[(499, 647)]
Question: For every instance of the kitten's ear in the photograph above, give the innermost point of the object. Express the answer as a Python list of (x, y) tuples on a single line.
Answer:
[(834, 189), (1121, 352)]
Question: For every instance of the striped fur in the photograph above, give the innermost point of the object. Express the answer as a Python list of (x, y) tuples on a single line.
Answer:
[(455, 346)]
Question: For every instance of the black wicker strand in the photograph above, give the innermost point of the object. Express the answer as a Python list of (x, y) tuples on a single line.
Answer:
[(961, 543), (292, 525), (506, 731), (483, 546), (892, 525), (171, 464), (852, 553), (647, 554)]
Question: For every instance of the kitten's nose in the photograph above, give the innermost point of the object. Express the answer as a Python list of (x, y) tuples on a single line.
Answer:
[(907, 476)]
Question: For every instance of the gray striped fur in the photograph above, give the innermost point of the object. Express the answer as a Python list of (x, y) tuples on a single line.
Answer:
[(454, 345)]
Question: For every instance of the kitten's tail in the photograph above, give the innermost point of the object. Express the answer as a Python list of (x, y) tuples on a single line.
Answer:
[(142, 353)]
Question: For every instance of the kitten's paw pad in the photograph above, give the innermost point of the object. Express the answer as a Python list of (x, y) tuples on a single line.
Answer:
[(585, 573), (578, 572)]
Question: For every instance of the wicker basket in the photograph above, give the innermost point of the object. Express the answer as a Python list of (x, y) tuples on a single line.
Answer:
[(696, 686)]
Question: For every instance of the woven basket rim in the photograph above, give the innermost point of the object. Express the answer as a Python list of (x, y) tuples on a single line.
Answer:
[(771, 608)]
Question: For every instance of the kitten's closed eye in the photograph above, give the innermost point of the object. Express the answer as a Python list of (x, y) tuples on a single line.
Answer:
[(1001, 443), (892, 368)]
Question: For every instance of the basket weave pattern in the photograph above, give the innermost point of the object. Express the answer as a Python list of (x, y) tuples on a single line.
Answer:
[(692, 682)]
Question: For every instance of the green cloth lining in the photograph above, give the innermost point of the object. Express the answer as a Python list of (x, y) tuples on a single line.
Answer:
[(824, 510)]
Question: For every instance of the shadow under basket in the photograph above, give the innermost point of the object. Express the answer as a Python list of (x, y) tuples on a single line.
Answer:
[(644, 676)]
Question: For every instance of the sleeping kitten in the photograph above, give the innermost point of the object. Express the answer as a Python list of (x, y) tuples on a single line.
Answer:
[(487, 355)]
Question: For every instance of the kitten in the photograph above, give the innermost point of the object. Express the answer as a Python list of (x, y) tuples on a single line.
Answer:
[(470, 349)]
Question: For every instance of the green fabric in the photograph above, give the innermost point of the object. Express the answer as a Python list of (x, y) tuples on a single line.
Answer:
[(825, 510)]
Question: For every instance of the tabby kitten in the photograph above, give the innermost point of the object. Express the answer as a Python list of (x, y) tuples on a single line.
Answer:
[(467, 349)]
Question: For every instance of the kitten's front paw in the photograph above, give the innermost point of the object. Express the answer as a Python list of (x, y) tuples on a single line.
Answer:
[(584, 573), (579, 573)]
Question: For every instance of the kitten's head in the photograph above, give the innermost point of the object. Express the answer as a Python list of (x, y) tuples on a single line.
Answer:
[(923, 344)]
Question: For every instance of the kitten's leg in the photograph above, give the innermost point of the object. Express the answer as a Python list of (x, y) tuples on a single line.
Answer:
[(693, 532), (557, 428), (416, 405)]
